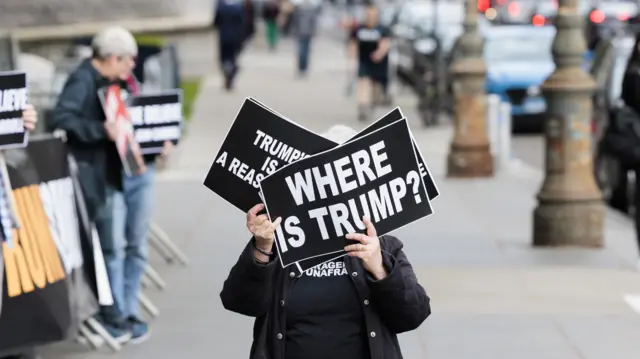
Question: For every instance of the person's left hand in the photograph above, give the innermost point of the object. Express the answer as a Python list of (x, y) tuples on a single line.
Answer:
[(30, 118), (368, 250), (167, 149)]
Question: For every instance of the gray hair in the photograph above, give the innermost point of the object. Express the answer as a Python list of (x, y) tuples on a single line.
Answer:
[(339, 133), (114, 41)]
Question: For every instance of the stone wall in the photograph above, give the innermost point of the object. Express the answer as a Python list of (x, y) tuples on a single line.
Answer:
[(36, 13)]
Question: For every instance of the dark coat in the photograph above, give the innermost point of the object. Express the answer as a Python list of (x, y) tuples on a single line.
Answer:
[(396, 304), (230, 20), (79, 113)]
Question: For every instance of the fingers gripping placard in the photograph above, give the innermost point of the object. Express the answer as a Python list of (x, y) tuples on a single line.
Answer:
[(324, 197)]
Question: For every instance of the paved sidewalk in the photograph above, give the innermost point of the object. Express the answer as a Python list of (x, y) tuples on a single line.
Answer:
[(493, 295)]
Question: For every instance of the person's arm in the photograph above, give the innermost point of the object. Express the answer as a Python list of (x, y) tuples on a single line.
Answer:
[(401, 301), (384, 45), (248, 288), (352, 47), (68, 114)]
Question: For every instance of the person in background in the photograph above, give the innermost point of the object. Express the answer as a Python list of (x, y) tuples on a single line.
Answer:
[(284, 17), (90, 139), (249, 22), (270, 16), (304, 20), (369, 48), (353, 310), (229, 21), (631, 96)]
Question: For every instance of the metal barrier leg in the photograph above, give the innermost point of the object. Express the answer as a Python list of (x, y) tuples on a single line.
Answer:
[(99, 329), (94, 341), (160, 248), (148, 305), (145, 281), (154, 277), (164, 238)]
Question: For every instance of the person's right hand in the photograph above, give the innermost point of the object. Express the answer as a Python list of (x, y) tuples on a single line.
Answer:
[(263, 230), (112, 129)]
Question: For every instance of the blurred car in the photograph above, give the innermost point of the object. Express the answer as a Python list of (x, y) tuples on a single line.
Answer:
[(416, 20), (424, 28), (512, 12), (603, 16), (518, 61)]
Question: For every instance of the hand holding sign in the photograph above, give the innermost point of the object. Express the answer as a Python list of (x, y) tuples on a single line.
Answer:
[(368, 250), (30, 117), (262, 229)]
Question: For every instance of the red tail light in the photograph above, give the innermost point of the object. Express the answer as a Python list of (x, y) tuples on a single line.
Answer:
[(514, 9), (597, 16), (538, 20), (623, 17), (483, 5)]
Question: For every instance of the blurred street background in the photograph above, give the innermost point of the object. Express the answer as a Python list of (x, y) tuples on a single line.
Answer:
[(494, 294)]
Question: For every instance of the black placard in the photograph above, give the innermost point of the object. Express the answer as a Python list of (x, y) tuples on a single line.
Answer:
[(156, 119), (13, 100), (432, 190), (389, 118), (322, 198), (257, 144)]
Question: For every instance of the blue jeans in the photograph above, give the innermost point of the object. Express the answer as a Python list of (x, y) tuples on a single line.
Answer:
[(304, 48), (123, 225)]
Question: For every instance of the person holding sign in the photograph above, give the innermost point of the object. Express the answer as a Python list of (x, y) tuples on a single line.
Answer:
[(91, 140), (352, 307)]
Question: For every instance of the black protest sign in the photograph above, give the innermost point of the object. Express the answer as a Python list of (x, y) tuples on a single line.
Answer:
[(432, 190), (13, 100), (156, 119), (389, 118), (258, 143), (323, 197), (36, 299)]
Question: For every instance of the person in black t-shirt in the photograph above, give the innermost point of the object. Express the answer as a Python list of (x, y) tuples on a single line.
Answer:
[(369, 47), (348, 308)]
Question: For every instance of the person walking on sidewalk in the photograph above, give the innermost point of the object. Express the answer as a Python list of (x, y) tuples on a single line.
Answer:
[(369, 47), (90, 139), (270, 15), (229, 20), (304, 20)]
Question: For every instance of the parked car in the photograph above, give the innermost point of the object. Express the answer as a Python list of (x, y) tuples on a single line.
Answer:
[(419, 20), (518, 61)]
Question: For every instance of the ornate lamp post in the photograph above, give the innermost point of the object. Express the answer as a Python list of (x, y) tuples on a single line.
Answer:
[(470, 155), (570, 210)]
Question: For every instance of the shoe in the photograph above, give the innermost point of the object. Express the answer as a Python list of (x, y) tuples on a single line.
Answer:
[(139, 330), (119, 332)]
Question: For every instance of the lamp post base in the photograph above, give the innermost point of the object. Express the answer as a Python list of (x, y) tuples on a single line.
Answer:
[(569, 223), (469, 162)]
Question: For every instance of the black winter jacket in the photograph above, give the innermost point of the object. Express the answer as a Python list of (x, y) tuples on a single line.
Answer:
[(395, 304), (79, 113)]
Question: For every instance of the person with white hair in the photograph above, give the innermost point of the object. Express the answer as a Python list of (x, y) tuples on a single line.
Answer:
[(90, 139)]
